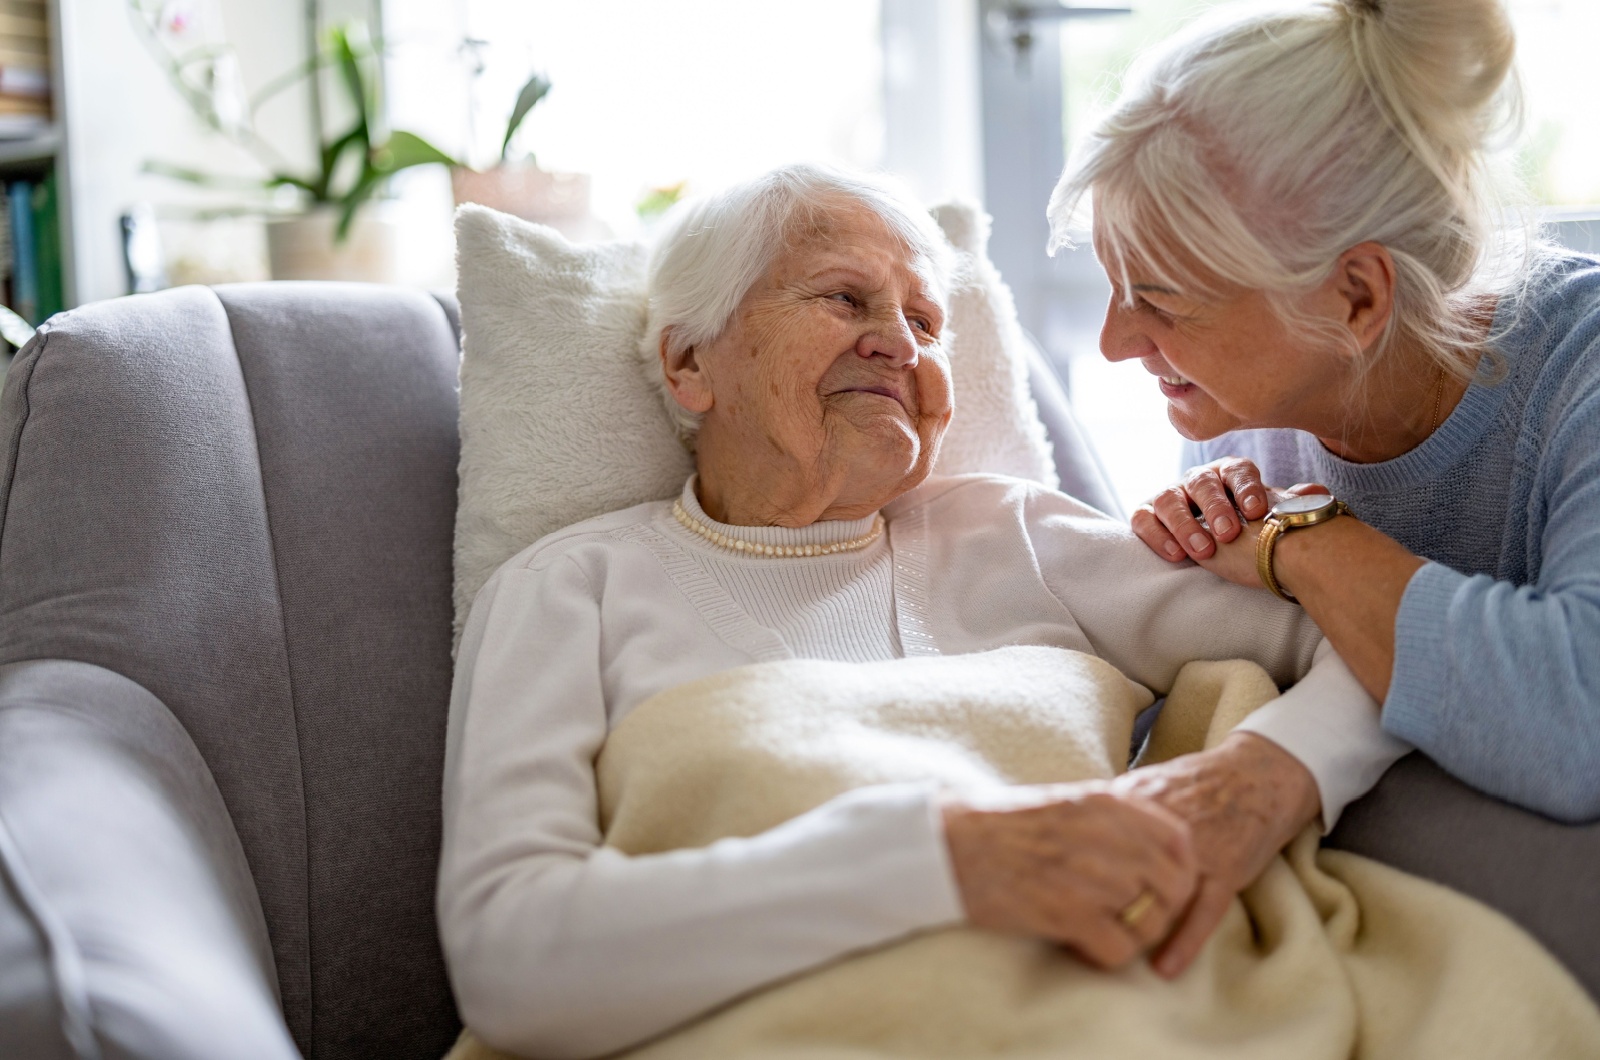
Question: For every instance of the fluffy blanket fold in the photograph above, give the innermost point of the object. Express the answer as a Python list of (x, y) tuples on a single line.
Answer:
[(1327, 955)]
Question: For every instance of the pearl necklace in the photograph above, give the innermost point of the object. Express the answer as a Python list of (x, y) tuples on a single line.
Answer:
[(755, 548)]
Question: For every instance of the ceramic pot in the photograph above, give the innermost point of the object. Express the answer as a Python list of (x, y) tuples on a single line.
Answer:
[(302, 247), (560, 200)]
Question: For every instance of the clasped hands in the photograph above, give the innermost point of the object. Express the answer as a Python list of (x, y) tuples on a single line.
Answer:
[(1230, 497), (1073, 863)]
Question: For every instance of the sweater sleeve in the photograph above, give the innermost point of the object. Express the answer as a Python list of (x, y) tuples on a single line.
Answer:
[(1148, 617), (561, 947), (1500, 683)]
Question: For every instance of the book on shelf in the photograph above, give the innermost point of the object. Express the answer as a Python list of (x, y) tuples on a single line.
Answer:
[(5, 256), (24, 51), (10, 105), (32, 212), (24, 271), (25, 25), (24, 82), (22, 126), (47, 249)]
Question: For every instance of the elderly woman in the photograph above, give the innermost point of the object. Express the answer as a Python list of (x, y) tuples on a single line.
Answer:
[(1304, 236), (799, 321)]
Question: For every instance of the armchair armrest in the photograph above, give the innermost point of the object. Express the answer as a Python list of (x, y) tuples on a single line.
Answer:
[(1540, 873), (129, 920)]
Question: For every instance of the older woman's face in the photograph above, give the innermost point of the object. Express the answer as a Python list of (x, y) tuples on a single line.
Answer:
[(830, 386), (1222, 364)]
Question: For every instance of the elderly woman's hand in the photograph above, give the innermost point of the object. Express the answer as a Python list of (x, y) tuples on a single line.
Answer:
[(1217, 492), (1243, 800), (1103, 872)]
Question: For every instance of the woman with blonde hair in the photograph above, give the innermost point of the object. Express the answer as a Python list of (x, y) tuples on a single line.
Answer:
[(1307, 244)]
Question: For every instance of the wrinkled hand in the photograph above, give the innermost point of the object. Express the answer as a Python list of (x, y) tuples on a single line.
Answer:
[(1061, 862), (1243, 800), (1225, 493)]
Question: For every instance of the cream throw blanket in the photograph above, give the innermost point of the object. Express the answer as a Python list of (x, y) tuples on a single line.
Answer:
[(1326, 955)]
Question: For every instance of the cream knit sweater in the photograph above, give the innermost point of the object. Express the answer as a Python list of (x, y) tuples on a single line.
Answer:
[(568, 948)]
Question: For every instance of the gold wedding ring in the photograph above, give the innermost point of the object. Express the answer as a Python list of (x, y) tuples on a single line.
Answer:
[(1135, 910)]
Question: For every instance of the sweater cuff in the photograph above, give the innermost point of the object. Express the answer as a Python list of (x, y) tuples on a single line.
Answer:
[(894, 835), (1414, 710), (1330, 724)]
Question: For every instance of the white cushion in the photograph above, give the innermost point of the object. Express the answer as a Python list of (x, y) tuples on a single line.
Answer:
[(561, 418)]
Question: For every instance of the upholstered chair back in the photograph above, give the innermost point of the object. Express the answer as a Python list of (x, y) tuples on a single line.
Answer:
[(242, 498)]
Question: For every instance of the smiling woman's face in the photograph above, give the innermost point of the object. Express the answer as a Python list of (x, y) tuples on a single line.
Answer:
[(1231, 362), (828, 393)]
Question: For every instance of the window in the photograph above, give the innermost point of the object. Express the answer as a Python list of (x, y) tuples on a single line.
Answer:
[(1561, 137), (645, 94)]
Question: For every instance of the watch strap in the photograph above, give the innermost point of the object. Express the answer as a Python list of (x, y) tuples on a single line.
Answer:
[(1267, 544)]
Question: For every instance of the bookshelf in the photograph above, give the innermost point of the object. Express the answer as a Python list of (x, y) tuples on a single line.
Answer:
[(35, 272)]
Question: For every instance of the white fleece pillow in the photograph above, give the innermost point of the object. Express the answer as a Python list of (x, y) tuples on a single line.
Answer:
[(561, 418)]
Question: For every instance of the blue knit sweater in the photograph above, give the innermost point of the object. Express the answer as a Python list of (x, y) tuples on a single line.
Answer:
[(1497, 647)]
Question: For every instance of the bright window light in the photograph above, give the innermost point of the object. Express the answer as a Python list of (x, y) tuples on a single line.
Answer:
[(649, 94)]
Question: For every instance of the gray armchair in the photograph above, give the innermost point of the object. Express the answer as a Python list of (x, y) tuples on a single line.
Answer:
[(225, 529)]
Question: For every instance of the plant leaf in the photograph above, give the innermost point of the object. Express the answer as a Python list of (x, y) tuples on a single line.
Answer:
[(14, 329), (158, 168), (536, 88), (353, 200), (331, 153), (292, 181), (404, 150), (354, 77)]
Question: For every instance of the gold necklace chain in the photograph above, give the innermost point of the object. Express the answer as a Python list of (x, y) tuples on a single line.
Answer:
[(1438, 400), (755, 548)]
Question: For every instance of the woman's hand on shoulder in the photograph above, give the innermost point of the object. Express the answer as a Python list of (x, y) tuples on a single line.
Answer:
[(1212, 517), (1219, 493), (1169, 523), (1066, 862)]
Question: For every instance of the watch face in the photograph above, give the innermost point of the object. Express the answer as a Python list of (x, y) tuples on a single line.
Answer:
[(1307, 505)]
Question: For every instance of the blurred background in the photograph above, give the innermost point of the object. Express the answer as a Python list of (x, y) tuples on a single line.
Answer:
[(146, 143)]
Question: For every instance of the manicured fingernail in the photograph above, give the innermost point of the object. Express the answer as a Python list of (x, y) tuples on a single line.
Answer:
[(1173, 550), (1252, 503), (1223, 524), (1198, 541)]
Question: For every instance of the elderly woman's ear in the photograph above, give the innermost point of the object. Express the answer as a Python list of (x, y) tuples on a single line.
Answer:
[(686, 376)]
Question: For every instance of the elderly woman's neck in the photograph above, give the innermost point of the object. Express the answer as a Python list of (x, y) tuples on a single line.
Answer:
[(776, 501)]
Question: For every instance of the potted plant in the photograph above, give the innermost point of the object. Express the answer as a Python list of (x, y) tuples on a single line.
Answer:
[(334, 229), (517, 185)]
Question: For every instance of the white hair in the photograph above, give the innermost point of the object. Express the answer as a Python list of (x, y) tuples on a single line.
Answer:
[(1254, 149), (713, 250)]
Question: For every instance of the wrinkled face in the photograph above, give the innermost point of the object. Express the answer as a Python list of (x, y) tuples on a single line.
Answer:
[(1222, 364), (830, 384)]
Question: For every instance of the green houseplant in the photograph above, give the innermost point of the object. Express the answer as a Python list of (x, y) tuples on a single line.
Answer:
[(517, 185), (328, 233)]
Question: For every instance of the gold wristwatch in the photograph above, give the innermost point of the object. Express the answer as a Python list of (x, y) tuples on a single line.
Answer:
[(1291, 513)]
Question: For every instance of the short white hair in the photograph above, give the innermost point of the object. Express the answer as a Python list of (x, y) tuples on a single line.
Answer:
[(712, 250), (1254, 149)]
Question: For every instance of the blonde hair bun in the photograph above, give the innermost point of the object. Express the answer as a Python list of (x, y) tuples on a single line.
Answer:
[(1437, 67)]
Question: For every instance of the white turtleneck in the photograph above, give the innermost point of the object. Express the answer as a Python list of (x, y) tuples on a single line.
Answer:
[(561, 947), (841, 610)]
